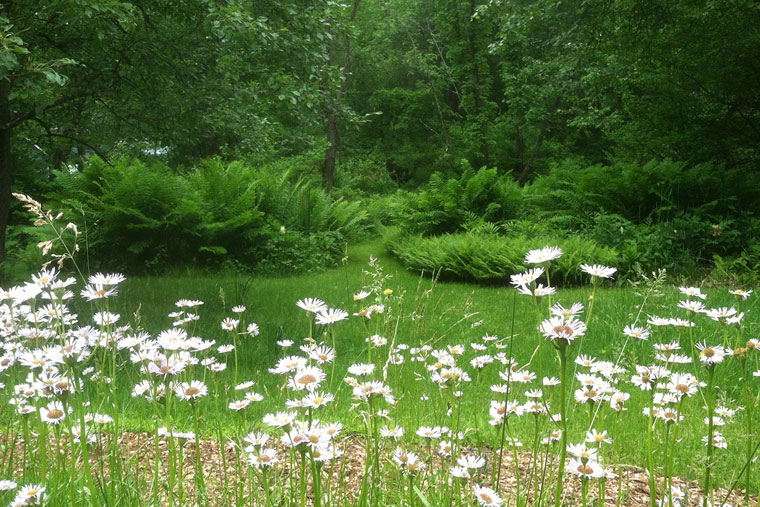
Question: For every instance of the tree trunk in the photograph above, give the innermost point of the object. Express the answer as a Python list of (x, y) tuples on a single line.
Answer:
[(328, 169), (6, 171), (476, 82), (333, 137)]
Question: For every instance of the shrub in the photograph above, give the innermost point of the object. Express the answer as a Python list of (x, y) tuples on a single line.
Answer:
[(492, 257), (445, 205), (655, 191), (147, 216)]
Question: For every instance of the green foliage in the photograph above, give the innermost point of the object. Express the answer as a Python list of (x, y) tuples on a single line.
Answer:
[(362, 176), (445, 205), (492, 257), (139, 215), (657, 190)]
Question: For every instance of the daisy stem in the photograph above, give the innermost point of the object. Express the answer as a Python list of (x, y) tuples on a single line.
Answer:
[(332, 373), (710, 431), (750, 433), (650, 456), (303, 478), (235, 344), (265, 485), (316, 476), (536, 456), (199, 485), (668, 492), (593, 300), (506, 391), (584, 491), (562, 349)]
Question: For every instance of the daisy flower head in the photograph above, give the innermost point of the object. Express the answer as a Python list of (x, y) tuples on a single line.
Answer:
[(6, 485), (191, 390), (331, 316), (589, 469), (53, 413), (408, 461), (238, 309), (654, 320), (692, 306), (594, 437), (711, 356), (280, 419), (460, 472), (288, 364), (257, 439), (566, 313), (33, 494), (720, 314), (526, 278), (486, 496), (264, 458), (188, 303), (252, 329), (694, 292), (377, 341), (92, 292), (105, 318), (598, 271), (538, 291), (681, 323), (430, 432), (394, 433), (741, 294), (307, 378), (239, 405), (543, 255), (108, 279), (361, 369), (640, 333), (584, 360), (558, 329), (471, 461), (253, 396), (284, 343), (361, 295), (322, 354), (312, 305), (316, 400), (229, 324)]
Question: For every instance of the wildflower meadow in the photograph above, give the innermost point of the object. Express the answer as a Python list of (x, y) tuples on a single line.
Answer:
[(380, 392)]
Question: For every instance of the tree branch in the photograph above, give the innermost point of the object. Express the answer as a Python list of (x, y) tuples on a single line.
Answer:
[(77, 140), (31, 115)]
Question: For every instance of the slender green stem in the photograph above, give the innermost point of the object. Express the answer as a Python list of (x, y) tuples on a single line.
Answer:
[(710, 434), (750, 429), (562, 349), (650, 453)]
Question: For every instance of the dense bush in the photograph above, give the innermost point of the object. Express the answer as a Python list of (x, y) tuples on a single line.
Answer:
[(493, 257), (446, 205), (139, 215), (656, 191), (660, 214)]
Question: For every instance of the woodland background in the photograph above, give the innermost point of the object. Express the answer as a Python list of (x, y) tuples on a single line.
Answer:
[(267, 136)]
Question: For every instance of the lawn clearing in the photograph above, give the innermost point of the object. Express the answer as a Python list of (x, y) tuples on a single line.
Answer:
[(423, 376)]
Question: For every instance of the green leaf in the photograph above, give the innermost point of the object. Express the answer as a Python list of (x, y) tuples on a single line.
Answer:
[(215, 250)]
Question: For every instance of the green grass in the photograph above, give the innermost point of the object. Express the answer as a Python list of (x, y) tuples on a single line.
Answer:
[(446, 313)]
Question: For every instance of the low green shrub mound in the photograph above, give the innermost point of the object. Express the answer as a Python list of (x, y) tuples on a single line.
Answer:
[(493, 258)]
